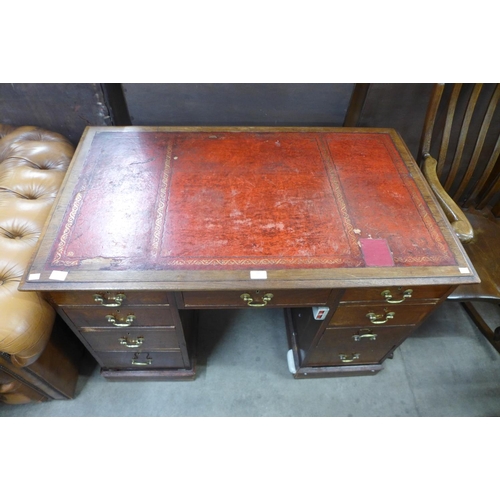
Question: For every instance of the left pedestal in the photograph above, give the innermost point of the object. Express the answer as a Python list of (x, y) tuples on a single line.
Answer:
[(132, 334)]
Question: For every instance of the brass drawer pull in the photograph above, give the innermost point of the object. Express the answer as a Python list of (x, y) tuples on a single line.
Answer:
[(131, 342), (345, 359), (249, 300), (128, 321), (388, 296), (135, 361), (376, 319), (118, 299), (364, 334)]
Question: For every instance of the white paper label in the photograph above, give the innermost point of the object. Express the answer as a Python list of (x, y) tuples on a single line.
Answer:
[(34, 276), (464, 270), (258, 275), (58, 275)]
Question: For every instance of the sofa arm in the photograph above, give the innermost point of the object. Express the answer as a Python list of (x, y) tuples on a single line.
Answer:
[(33, 162), (26, 325)]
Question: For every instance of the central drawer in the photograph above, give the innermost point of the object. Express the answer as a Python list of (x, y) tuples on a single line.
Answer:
[(123, 317), (256, 298)]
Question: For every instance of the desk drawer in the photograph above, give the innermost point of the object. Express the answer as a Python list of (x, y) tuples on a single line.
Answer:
[(111, 299), (143, 360), (399, 294), (131, 339), (135, 316), (383, 314), (350, 346), (256, 298)]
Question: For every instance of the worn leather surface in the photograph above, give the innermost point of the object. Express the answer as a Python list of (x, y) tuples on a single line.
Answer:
[(33, 163), (243, 200)]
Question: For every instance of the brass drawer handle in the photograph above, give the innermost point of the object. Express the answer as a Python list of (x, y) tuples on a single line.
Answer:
[(345, 359), (249, 300), (131, 342), (388, 296), (135, 361), (364, 334), (376, 319), (118, 299), (128, 321)]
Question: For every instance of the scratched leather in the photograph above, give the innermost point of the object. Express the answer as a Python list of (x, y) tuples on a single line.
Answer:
[(246, 200)]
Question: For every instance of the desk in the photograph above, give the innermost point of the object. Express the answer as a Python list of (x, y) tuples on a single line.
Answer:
[(155, 223)]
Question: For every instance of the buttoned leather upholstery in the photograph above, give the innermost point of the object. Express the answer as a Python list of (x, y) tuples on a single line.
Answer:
[(33, 163)]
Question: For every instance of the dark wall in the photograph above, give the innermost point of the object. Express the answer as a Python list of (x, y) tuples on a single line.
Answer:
[(68, 108), (238, 104), (401, 106)]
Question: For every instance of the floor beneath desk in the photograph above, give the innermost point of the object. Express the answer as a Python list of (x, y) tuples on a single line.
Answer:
[(446, 368)]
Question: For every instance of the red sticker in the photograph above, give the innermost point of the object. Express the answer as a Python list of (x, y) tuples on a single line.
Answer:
[(376, 252)]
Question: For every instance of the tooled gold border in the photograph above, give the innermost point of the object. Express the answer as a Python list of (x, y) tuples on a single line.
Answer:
[(61, 247), (161, 207), (232, 261), (339, 196), (261, 262)]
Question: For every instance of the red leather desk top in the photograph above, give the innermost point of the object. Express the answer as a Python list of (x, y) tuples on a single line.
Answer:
[(153, 199)]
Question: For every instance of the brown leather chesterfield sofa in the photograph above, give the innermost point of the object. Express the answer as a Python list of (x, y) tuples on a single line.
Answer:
[(36, 363)]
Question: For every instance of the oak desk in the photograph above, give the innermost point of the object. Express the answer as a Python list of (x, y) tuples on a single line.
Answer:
[(155, 223)]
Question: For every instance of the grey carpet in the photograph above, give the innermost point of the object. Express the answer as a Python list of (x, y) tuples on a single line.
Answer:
[(446, 368)]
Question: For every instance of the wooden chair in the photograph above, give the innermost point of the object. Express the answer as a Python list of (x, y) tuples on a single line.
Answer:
[(459, 155)]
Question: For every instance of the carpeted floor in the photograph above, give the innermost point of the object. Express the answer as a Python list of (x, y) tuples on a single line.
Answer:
[(445, 369)]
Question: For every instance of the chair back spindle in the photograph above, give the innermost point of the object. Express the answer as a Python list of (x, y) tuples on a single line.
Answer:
[(462, 132)]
